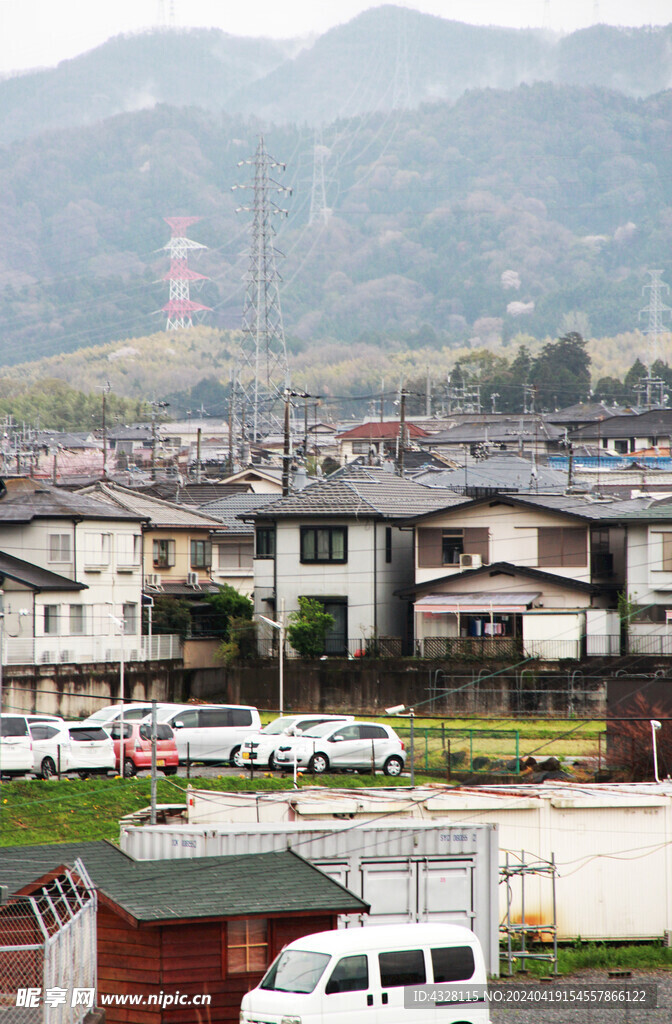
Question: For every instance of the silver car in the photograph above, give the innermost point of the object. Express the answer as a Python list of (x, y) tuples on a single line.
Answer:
[(362, 746), (259, 751)]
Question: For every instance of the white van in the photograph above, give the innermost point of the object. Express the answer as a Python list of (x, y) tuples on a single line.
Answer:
[(361, 974), (211, 733)]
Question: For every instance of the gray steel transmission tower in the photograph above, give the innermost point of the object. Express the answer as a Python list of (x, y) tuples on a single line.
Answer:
[(655, 311), (319, 211), (263, 371)]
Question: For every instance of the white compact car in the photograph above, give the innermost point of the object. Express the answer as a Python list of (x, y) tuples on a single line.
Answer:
[(111, 712), (16, 751), (346, 745), (259, 751), (91, 750)]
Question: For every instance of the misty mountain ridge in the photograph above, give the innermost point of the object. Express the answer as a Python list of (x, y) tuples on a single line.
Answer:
[(385, 58)]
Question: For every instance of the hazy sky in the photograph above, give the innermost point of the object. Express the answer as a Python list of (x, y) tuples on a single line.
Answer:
[(41, 32)]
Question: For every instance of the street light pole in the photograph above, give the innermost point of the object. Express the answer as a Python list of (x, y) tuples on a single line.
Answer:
[(120, 623), (280, 626), (655, 726)]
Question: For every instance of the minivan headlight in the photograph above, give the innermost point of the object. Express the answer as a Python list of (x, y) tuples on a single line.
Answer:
[(290, 1020)]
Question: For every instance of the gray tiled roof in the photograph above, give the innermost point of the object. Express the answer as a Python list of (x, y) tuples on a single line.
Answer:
[(505, 471), (228, 509), (160, 890), (156, 510), (49, 502), (364, 491)]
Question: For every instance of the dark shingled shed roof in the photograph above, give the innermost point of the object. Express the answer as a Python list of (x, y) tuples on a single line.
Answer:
[(201, 887)]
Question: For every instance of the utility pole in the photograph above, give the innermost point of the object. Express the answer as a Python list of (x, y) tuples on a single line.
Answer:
[(286, 450), (155, 405), (105, 388), (402, 431), (428, 396)]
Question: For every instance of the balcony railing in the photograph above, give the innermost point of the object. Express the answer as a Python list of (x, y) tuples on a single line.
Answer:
[(76, 650)]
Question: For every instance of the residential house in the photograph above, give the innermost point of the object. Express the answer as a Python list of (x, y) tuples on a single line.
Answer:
[(629, 433), (540, 571), (233, 542), (379, 440), (340, 540), (531, 435), (177, 548), (261, 480), (500, 471), (649, 579), (208, 926), (72, 575)]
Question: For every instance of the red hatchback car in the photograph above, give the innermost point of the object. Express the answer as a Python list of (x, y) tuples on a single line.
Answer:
[(138, 747)]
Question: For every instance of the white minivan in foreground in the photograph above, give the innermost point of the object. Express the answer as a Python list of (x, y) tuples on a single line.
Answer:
[(354, 975)]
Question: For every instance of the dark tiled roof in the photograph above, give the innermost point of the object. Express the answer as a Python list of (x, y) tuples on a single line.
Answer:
[(160, 890), (578, 506), (361, 491), (656, 421), (34, 576), (47, 502), (504, 471), (228, 509), (506, 430)]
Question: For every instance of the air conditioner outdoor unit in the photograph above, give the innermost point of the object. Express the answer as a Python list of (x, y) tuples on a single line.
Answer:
[(153, 579), (192, 579), (46, 658), (65, 656), (470, 561)]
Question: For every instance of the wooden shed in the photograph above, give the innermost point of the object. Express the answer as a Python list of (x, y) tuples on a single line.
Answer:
[(171, 932)]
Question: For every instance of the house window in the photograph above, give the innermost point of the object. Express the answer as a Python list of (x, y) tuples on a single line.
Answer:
[(59, 547), (666, 565), (97, 549), (201, 554), (452, 546), (438, 546), (51, 618), (561, 546), (130, 616), (236, 555), (247, 945), (163, 553), (265, 542), (324, 543), (388, 543), (77, 620), (128, 550)]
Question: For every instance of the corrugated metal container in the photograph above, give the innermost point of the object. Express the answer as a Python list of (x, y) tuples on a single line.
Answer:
[(612, 843), (407, 870)]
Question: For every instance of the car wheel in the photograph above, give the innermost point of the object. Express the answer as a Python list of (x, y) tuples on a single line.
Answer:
[(129, 768), (237, 758), (84, 775), (393, 766), (47, 768), (272, 766), (170, 771), (318, 764)]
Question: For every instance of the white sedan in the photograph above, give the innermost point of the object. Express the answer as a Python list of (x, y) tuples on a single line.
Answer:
[(349, 745), (259, 751)]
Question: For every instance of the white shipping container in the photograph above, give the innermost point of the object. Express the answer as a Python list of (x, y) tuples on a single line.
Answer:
[(407, 870), (612, 843)]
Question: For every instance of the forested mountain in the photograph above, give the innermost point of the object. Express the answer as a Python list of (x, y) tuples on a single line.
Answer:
[(533, 210), (386, 58)]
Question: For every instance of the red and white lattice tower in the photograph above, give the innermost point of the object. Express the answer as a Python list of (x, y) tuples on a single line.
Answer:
[(179, 307)]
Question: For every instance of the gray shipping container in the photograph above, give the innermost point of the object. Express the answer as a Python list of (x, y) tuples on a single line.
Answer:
[(408, 870)]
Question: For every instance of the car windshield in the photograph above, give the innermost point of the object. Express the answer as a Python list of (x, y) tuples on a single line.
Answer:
[(104, 715), (277, 726), (322, 730), (295, 970), (88, 735)]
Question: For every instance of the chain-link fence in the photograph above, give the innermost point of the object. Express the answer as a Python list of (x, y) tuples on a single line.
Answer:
[(48, 952)]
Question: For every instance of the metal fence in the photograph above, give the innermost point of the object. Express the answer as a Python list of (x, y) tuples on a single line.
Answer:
[(491, 751), (48, 952), (75, 650)]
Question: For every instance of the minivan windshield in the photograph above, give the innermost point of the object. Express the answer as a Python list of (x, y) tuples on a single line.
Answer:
[(276, 727), (295, 970)]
